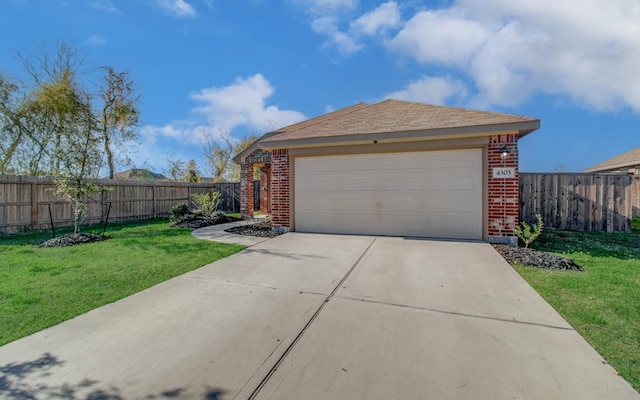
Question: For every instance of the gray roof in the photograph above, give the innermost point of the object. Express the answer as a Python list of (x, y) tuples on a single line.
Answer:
[(629, 159)]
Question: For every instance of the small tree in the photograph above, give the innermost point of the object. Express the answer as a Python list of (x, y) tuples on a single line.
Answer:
[(207, 203), (528, 233), (193, 173)]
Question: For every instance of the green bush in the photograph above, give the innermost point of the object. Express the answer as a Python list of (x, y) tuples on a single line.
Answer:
[(178, 212), (207, 203), (528, 233)]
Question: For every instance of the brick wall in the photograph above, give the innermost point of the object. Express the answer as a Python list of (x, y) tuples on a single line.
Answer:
[(265, 183), (246, 190), (503, 200), (280, 184)]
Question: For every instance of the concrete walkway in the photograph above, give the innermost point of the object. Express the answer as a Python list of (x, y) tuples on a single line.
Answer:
[(217, 233), (308, 316)]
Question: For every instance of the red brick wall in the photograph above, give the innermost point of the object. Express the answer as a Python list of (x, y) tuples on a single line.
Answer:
[(503, 200), (246, 190), (280, 185), (265, 183)]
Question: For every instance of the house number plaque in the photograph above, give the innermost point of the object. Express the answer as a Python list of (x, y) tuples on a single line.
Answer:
[(504, 173)]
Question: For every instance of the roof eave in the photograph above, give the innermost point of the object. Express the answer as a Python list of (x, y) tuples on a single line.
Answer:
[(240, 157), (609, 168), (522, 127)]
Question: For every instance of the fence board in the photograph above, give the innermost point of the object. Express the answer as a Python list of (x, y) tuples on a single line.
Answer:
[(583, 202), (25, 201)]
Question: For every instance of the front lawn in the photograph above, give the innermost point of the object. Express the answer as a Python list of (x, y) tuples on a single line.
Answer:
[(41, 287), (603, 302)]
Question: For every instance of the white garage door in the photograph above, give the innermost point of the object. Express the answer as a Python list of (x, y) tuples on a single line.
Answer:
[(426, 194)]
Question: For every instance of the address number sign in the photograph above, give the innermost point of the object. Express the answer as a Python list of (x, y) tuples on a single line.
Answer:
[(504, 173)]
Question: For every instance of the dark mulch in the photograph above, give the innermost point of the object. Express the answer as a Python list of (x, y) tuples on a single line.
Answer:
[(197, 221), (535, 258), (262, 229), (73, 239)]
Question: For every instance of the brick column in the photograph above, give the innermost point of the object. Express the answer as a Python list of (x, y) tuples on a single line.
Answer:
[(246, 190), (503, 193), (265, 183), (280, 186)]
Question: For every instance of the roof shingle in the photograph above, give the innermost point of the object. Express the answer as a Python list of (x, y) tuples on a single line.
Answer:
[(391, 116), (624, 160)]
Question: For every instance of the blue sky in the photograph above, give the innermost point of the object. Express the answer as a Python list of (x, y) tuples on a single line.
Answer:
[(247, 66)]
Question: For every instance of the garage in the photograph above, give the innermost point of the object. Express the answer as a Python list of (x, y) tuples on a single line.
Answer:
[(418, 194), (393, 168)]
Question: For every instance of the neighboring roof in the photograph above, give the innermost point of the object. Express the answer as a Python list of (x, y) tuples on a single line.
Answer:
[(393, 118), (139, 175), (625, 160)]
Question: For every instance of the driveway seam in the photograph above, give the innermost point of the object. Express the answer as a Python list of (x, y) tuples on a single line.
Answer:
[(308, 324), (253, 285), (513, 321)]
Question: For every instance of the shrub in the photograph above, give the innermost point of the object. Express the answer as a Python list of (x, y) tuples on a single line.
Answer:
[(207, 203), (178, 212), (528, 233)]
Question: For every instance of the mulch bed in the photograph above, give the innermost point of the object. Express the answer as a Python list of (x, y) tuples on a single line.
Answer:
[(196, 222), (262, 229), (535, 258), (73, 239)]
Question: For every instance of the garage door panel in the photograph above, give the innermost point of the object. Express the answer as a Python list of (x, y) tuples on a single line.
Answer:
[(356, 163), (434, 194), (355, 184)]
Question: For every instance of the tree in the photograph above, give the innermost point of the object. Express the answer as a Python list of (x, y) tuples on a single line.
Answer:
[(34, 130), (193, 174), (11, 135), (119, 114), (219, 154), (53, 127), (175, 169)]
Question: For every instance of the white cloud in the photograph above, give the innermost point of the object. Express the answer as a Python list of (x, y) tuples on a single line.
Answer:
[(439, 36), (322, 7), (179, 8), (588, 50), (327, 16), (386, 16), (431, 90), (342, 41), (239, 105), (96, 41), (105, 5), (243, 104)]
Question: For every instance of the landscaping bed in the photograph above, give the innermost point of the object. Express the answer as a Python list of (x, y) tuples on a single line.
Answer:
[(73, 239), (199, 221), (262, 229), (535, 258)]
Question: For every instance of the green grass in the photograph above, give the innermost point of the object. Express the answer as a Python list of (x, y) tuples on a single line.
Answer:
[(41, 287), (603, 302)]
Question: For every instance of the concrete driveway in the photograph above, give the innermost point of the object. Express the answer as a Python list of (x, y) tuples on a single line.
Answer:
[(307, 316)]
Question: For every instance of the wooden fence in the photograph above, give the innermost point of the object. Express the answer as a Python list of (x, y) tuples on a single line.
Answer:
[(582, 202), (27, 202)]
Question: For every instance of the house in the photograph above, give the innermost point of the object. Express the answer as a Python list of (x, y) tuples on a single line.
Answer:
[(628, 162), (139, 175), (392, 168)]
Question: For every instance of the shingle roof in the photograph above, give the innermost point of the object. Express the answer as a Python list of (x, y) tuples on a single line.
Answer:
[(391, 116), (624, 160)]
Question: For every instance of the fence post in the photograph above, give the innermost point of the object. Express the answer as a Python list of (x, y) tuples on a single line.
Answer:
[(34, 206), (153, 198)]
